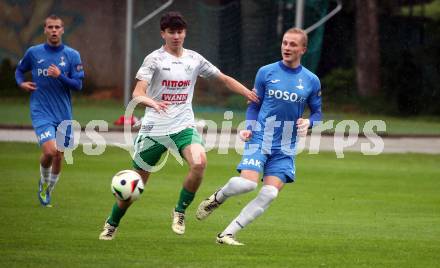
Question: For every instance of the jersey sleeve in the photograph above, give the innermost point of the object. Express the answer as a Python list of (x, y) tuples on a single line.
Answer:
[(77, 70), (147, 69), (207, 69), (254, 108), (314, 102), (24, 65), (260, 84)]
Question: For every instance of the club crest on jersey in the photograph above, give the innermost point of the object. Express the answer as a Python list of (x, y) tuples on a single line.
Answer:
[(62, 63), (300, 86), (188, 69)]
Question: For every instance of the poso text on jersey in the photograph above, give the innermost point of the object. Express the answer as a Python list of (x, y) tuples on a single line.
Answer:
[(285, 95)]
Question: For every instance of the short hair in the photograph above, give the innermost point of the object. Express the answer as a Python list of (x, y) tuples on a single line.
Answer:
[(173, 20), (299, 31), (53, 17)]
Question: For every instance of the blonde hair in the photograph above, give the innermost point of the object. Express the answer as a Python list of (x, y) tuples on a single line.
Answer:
[(301, 32)]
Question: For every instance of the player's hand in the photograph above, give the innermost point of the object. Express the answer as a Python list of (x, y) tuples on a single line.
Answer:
[(160, 106), (53, 71), (245, 135), (28, 86), (302, 126), (251, 95)]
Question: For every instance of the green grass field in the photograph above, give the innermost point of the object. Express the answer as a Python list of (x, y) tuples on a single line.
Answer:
[(360, 211), (16, 112)]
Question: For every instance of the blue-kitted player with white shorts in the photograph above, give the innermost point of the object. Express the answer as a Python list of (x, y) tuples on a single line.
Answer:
[(284, 88), (56, 70)]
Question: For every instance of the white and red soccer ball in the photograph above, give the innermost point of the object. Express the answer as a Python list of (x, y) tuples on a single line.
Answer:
[(127, 185)]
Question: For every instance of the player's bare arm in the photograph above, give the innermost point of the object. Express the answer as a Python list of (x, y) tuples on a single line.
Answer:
[(140, 92), (237, 87)]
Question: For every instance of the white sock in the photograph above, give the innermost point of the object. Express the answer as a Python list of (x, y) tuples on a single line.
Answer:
[(253, 209), (53, 179), (44, 174), (235, 186)]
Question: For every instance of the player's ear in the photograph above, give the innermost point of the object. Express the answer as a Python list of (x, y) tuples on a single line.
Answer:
[(304, 50)]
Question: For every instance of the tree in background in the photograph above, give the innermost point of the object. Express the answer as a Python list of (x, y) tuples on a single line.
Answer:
[(367, 48)]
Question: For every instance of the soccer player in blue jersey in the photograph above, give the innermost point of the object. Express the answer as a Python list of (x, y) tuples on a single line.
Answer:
[(56, 70), (273, 125)]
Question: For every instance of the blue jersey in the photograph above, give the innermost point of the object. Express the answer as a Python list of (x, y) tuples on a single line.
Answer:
[(50, 103), (284, 93)]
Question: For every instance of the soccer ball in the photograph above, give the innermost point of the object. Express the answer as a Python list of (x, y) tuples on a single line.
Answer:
[(127, 185)]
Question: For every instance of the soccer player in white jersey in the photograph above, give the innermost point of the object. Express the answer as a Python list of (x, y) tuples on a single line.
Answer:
[(165, 86), (284, 89)]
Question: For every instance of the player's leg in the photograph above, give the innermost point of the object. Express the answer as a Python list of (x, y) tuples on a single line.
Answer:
[(256, 207), (57, 162), (246, 182), (63, 139), (279, 169), (250, 166), (118, 211), (147, 153), (190, 145), (195, 156), (46, 138)]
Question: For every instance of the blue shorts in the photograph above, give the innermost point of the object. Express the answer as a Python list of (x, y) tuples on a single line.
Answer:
[(277, 163), (49, 131)]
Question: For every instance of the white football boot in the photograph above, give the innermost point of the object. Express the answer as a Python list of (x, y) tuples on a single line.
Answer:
[(109, 232), (178, 225), (228, 239), (207, 206)]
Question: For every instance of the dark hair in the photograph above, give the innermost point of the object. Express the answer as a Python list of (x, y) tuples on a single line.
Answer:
[(53, 17), (173, 20)]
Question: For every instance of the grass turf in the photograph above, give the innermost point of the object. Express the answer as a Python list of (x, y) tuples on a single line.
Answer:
[(360, 211)]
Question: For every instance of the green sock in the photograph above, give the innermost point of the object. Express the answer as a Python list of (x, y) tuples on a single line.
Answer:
[(116, 216), (185, 199)]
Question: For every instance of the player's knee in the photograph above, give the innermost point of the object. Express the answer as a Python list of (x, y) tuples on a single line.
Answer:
[(198, 167), (50, 153), (57, 156), (244, 184), (268, 193)]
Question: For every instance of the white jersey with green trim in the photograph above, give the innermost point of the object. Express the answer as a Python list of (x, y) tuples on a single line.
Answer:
[(172, 79)]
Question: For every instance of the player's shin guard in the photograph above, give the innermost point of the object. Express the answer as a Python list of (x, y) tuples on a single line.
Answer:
[(185, 199), (45, 173), (116, 215), (253, 209), (235, 186)]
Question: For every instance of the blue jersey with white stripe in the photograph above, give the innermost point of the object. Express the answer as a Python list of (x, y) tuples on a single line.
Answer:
[(50, 103), (284, 93)]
